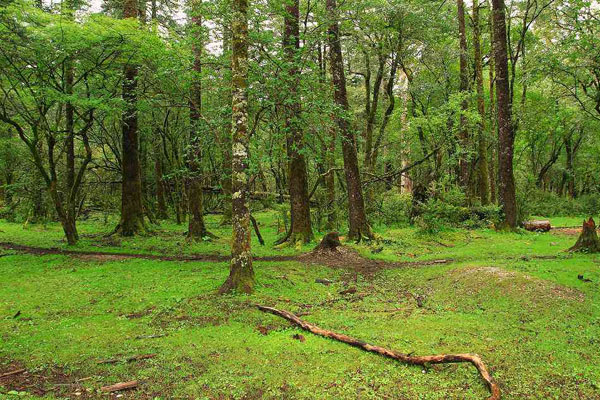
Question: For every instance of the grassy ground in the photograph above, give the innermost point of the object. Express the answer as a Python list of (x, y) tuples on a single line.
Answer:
[(533, 321)]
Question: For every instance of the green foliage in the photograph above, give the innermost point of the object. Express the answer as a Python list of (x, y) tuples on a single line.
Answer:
[(447, 209), (395, 208), (540, 202)]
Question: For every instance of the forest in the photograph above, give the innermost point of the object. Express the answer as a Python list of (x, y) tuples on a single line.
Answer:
[(299, 199)]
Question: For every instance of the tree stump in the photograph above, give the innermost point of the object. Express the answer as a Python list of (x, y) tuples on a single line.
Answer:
[(588, 241), (329, 242), (537, 226)]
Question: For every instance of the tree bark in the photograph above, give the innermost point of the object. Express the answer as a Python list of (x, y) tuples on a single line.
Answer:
[(241, 276), (132, 209), (482, 165), (464, 89), (226, 143), (358, 224), (160, 184), (506, 179), (300, 228), (588, 241), (492, 151), (196, 226)]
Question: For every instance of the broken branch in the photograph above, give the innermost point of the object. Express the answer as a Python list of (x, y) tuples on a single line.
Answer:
[(405, 358), (119, 386)]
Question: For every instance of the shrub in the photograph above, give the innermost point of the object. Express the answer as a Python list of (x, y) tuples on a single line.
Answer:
[(395, 208)]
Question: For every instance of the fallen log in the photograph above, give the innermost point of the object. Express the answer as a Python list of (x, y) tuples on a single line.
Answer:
[(474, 359), (537, 226), (120, 386)]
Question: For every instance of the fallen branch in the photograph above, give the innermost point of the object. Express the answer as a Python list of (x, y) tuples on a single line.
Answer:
[(128, 359), (11, 373), (119, 386), (256, 230), (405, 358)]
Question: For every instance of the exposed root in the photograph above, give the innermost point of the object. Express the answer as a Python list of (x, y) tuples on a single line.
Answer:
[(474, 359)]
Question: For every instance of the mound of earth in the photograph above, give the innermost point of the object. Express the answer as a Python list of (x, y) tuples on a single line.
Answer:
[(483, 279)]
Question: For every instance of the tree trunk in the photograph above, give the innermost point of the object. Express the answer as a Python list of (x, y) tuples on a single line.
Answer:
[(132, 209), (328, 151), (389, 91), (492, 152), (482, 165), (372, 112), (358, 225), (588, 241), (464, 88), (569, 169), (196, 227), (241, 276), (226, 144), (160, 185), (300, 229), (506, 179)]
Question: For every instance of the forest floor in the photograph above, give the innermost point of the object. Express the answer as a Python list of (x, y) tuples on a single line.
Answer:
[(145, 309)]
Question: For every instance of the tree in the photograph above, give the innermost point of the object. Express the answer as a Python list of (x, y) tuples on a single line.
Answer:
[(300, 227), (464, 88), (196, 226), (241, 275), (506, 139), (482, 163), (33, 99), (132, 208), (357, 218)]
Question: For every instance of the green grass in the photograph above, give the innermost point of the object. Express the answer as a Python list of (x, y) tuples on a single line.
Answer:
[(533, 321)]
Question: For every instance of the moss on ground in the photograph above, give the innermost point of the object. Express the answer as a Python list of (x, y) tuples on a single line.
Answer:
[(533, 321)]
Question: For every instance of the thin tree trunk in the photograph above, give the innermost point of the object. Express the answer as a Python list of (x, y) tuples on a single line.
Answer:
[(506, 180), (482, 165), (329, 145), (358, 224), (196, 226), (492, 174), (132, 209), (160, 184), (300, 229), (389, 90), (226, 144), (373, 113), (241, 276), (464, 88)]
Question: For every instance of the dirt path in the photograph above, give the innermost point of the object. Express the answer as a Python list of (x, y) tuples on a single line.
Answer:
[(345, 258)]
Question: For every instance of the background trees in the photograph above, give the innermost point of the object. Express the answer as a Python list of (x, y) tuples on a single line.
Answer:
[(371, 111)]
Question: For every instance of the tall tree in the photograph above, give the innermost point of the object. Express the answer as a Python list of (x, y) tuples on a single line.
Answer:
[(241, 275), (464, 88), (132, 209), (357, 224), (196, 226), (300, 228), (482, 164), (506, 139)]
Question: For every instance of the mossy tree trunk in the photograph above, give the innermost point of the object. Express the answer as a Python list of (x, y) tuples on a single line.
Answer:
[(464, 89), (300, 229), (482, 164), (241, 275), (506, 139), (132, 209)]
